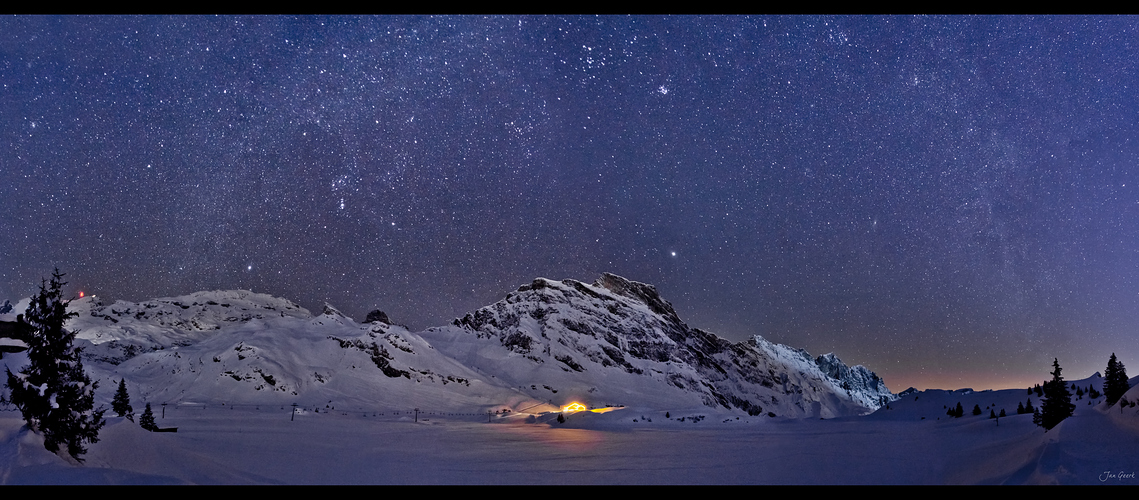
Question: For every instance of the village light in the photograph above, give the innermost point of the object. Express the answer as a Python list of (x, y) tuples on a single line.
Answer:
[(575, 406)]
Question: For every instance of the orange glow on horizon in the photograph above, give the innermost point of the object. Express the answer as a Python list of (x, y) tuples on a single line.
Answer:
[(575, 407), (81, 294)]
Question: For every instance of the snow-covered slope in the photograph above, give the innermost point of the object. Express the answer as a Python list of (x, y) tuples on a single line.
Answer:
[(125, 329), (227, 347), (934, 404), (323, 360)]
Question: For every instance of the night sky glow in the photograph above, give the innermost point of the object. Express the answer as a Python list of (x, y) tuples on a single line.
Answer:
[(951, 201)]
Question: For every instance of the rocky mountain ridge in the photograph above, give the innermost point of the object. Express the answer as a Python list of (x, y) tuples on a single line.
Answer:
[(612, 342), (617, 329)]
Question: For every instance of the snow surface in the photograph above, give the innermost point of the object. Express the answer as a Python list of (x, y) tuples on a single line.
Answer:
[(260, 445)]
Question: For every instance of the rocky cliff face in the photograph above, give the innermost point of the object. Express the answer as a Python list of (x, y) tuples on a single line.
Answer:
[(624, 333), (859, 382)]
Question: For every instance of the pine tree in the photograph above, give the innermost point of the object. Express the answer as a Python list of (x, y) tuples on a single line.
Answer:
[(976, 409), (122, 402), (146, 421), (53, 393), (1057, 404), (1114, 380)]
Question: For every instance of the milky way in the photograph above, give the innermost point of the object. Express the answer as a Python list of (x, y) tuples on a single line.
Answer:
[(950, 201)]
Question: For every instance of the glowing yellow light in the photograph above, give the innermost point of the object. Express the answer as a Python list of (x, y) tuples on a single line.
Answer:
[(575, 406)]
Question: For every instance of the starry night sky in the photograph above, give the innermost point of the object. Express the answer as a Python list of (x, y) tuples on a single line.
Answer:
[(951, 201)]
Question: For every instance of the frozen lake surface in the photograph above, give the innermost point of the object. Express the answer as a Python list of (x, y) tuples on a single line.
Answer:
[(260, 445)]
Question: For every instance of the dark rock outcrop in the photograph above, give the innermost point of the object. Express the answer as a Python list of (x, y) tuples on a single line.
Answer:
[(377, 316)]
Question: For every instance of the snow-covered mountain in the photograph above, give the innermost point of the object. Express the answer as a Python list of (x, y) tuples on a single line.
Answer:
[(124, 329), (617, 341), (613, 342), (246, 348)]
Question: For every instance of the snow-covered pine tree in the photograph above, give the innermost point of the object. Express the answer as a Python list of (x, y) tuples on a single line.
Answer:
[(146, 421), (122, 402), (1114, 380), (53, 393), (1057, 404)]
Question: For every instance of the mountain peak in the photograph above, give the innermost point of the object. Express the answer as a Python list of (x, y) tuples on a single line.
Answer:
[(635, 290), (329, 310)]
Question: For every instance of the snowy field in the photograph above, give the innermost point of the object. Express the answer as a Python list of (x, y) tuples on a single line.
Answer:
[(260, 445)]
